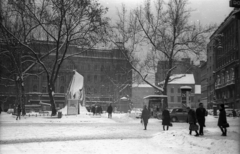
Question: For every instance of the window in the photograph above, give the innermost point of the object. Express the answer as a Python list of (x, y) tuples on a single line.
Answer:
[(44, 89), (95, 78), (172, 98), (179, 110), (179, 90), (102, 68), (62, 79), (95, 91), (35, 88), (179, 98), (89, 78), (62, 89), (172, 89), (95, 67)]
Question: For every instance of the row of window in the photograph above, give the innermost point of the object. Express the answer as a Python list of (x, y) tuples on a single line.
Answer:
[(172, 89), (89, 90), (178, 99)]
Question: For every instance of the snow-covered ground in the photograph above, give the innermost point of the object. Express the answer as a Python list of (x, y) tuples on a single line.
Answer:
[(122, 134)]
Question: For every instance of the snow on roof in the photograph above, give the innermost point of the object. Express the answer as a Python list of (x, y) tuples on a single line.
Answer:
[(154, 96), (197, 89), (181, 79), (141, 85)]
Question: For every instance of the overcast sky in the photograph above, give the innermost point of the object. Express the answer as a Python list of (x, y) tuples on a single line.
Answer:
[(206, 11)]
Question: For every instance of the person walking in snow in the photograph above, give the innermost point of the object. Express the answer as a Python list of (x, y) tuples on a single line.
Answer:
[(18, 112), (201, 113), (93, 109), (222, 120), (234, 113), (192, 120), (145, 116), (166, 118), (109, 110)]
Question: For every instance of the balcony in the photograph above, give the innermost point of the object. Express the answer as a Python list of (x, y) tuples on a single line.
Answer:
[(227, 83)]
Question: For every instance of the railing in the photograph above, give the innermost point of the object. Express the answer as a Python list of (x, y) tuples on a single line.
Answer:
[(229, 82)]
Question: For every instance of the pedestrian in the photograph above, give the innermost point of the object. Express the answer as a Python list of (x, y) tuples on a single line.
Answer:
[(18, 112), (192, 120), (145, 116), (93, 110), (109, 110), (234, 113), (151, 109), (0, 109), (201, 112), (100, 109), (166, 118), (222, 120)]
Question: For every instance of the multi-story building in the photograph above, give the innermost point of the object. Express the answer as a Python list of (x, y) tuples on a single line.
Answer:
[(204, 83), (138, 92), (226, 47), (174, 91), (184, 66), (210, 74), (107, 77)]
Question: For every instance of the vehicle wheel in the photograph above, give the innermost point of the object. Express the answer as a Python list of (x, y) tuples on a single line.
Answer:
[(174, 119)]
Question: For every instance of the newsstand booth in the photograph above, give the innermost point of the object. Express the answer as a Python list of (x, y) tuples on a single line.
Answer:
[(185, 95), (155, 100)]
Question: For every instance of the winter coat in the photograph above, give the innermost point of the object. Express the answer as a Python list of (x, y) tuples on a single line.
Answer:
[(222, 117), (19, 110), (166, 118), (145, 115), (234, 113), (109, 109), (201, 113), (192, 117), (93, 109)]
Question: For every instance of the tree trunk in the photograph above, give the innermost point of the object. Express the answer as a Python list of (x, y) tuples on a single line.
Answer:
[(52, 101), (23, 98)]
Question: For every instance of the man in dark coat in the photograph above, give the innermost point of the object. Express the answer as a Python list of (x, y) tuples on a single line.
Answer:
[(222, 120), (201, 113), (109, 110), (165, 118), (145, 116), (192, 120), (18, 112), (93, 109), (234, 113)]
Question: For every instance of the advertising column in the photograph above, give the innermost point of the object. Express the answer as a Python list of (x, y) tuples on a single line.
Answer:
[(185, 95)]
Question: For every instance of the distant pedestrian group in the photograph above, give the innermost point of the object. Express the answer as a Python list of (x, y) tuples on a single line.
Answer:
[(96, 110), (196, 119)]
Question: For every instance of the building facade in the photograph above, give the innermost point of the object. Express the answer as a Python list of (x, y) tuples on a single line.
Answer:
[(138, 92), (184, 66), (107, 77), (204, 83), (226, 47), (210, 74), (174, 90)]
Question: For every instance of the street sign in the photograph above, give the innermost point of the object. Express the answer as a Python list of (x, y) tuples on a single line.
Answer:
[(234, 3)]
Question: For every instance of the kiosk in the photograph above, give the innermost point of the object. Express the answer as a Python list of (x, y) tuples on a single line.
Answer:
[(185, 95)]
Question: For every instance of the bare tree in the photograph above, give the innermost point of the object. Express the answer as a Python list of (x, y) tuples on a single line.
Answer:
[(168, 32), (60, 23)]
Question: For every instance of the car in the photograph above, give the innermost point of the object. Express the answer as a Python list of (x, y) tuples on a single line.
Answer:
[(9, 111), (137, 112), (229, 112), (178, 114)]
